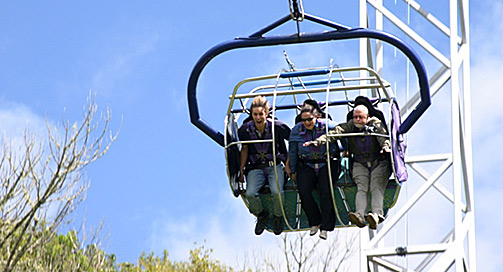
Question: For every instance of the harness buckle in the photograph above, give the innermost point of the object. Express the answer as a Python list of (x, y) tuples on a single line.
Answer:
[(271, 163)]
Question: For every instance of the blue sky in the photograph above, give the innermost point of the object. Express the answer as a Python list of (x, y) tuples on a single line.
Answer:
[(163, 183)]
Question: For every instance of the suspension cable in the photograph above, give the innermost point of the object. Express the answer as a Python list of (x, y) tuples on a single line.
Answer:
[(296, 10), (292, 68)]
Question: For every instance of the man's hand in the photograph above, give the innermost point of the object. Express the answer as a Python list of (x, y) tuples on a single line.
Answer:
[(292, 176), (386, 149), (288, 170), (369, 129)]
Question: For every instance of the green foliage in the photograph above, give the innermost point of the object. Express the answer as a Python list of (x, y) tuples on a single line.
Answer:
[(200, 261), (64, 253)]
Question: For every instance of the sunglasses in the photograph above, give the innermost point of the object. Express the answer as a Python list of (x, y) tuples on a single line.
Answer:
[(359, 116), (307, 119)]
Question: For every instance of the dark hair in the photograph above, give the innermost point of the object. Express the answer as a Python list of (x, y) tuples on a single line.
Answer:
[(308, 108)]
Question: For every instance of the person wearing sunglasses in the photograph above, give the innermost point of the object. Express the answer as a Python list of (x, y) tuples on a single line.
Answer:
[(257, 162), (308, 166), (371, 168)]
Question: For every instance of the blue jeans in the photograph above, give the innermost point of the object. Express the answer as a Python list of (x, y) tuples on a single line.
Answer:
[(256, 180)]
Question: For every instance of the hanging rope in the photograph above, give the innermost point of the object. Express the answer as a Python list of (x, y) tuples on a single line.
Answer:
[(292, 68)]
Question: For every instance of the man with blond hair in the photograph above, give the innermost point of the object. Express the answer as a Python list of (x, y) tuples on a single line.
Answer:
[(257, 162)]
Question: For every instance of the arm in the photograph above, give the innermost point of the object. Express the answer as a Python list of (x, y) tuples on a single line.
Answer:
[(383, 142), (339, 129), (287, 166), (244, 159), (293, 152)]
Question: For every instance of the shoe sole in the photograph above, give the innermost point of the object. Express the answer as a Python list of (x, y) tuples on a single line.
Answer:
[(312, 233), (372, 222), (259, 232), (278, 231), (324, 237), (354, 219)]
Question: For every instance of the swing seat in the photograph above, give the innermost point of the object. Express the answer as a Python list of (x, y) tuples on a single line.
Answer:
[(344, 188), (344, 193)]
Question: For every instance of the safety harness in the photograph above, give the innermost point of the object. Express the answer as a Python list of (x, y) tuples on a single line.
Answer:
[(263, 158), (317, 154), (365, 154)]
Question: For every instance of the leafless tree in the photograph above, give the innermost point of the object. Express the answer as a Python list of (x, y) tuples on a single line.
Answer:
[(304, 253), (301, 252), (43, 180)]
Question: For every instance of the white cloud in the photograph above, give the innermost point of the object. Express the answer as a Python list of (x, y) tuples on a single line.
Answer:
[(18, 119), (487, 132), (120, 66), (229, 233)]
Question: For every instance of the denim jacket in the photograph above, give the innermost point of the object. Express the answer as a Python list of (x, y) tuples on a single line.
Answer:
[(299, 135)]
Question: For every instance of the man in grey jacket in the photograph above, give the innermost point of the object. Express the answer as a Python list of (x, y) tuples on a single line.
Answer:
[(371, 169)]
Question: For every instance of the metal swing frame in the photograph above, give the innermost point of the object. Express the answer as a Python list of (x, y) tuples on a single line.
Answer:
[(340, 32), (376, 82)]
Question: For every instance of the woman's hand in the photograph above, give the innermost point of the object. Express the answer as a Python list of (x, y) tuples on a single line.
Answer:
[(310, 143), (241, 176)]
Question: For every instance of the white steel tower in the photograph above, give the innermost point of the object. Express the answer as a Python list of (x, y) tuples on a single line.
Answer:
[(449, 71)]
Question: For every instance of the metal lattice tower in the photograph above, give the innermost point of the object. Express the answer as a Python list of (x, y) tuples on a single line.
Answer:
[(456, 251)]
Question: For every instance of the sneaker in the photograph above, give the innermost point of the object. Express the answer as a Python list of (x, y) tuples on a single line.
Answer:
[(261, 221), (373, 220), (278, 225), (381, 218), (323, 234), (356, 219), (314, 230)]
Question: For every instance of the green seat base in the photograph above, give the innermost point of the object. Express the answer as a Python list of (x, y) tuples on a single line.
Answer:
[(344, 194)]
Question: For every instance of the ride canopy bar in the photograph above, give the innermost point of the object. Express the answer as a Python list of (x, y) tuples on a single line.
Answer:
[(340, 33)]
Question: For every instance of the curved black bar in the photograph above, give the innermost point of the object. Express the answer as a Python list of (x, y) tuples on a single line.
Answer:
[(306, 38)]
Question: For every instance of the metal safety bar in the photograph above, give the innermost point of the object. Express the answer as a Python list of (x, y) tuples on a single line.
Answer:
[(331, 103), (309, 72), (313, 90), (380, 83), (312, 83)]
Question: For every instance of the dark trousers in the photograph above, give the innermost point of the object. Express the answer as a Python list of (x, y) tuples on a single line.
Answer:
[(307, 180)]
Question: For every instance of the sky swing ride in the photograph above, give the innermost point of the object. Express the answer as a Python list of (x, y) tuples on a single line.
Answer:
[(329, 80)]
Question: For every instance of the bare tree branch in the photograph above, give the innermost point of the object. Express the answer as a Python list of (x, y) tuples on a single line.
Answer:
[(46, 183), (304, 253)]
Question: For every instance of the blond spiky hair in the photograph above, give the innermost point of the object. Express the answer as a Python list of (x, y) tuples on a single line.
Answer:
[(260, 101)]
